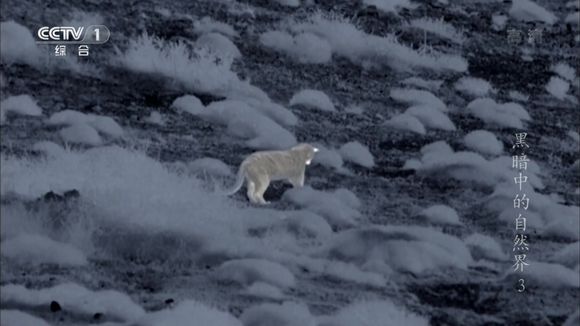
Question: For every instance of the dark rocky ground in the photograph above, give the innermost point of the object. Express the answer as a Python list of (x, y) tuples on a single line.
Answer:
[(391, 196)]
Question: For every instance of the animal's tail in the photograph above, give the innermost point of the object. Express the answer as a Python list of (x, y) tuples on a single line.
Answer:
[(239, 181)]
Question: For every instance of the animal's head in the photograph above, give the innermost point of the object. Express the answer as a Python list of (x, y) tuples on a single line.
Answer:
[(307, 151)]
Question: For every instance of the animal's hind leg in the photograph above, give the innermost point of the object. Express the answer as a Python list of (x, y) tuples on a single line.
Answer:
[(260, 190), (251, 191)]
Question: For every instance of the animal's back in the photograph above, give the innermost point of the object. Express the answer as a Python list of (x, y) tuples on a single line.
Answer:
[(275, 164)]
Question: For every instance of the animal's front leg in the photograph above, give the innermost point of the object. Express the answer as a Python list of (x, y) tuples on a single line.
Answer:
[(297, 181)]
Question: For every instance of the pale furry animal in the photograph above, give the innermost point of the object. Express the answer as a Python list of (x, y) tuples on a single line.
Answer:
[(260, 168)]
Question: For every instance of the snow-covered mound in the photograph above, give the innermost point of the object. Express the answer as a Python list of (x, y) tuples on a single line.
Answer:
[(498, 22), (37, 249), (384, 249), (328, 157), (530, 11), (357, 153), (155, 118), (417, 97), (546, 275), (19, 105), (249, 271), (211, 166), (289, 3), (209, 25), (507, 115), (305, 224), (441, 214), (314, 99), (218, 44), (274, 111), (285, 314), (17, 45), (48, 148), (189, 104), (430, 85), (406, 122), (263, 290), (372, 51), (431, 117), (389, 5), (304, 47), (518, 96), (81, 134), (19, 318), (103, 124), (201, 71), (484, 142), (187, 312), (558, 87), (438, 27), (338, 208), (569, 255), (544, 214), (473, 86), (75, 299), (243, 121), (373, 313), (565, 71), (485, 247), (439, 160)]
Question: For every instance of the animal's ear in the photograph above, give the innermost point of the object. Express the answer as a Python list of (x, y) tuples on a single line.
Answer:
[(315, 149)]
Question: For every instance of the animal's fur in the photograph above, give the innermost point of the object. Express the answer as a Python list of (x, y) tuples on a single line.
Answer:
[(260, 168)]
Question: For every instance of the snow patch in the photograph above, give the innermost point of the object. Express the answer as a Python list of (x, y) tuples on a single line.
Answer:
[(530, 11), (328, 157), (210, 166), (314, 99), (75, 299), (81, 134), (441, 214), (37, 249), (431, 117), (389, 5), (473, 86), (187, 311), (406, 122), (248, 271), (438, 27), (372, 51), (546, 275), (417, 97), (17, 45), (218, 44), (484, 142), (19, 318), (558, 87), (568, 256), (507, 115), (384, 249), (264, 290), (431, 85), (200, 71), (155, 118), (372, 313), (285, 314), (209, 25), (48, 148), (330, 205), (357, 153), (565, 71), (485, 247), (188, 103), (304, 47), (19, 105)]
